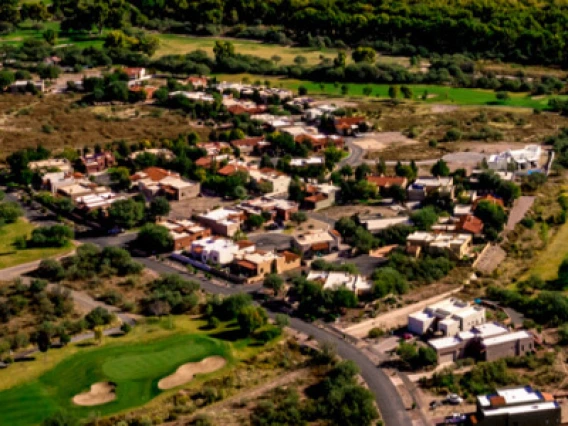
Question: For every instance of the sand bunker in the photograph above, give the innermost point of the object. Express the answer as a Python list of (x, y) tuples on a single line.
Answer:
[(186, 372), (100, 393)]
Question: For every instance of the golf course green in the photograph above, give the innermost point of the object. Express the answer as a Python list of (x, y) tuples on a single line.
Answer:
[(134, 368)]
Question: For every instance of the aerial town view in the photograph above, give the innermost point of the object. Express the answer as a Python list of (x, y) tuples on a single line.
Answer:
[(283, 213)]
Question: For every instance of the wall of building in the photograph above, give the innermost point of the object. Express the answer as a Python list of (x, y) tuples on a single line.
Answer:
[(189, 192), (540, 418), (507, 349)]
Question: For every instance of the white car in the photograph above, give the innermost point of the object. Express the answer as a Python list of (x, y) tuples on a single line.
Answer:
[(454, 399)]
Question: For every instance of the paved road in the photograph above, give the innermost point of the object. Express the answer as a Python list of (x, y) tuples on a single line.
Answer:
[(388, 400), (356, 154), (271, 241), (322, 217)]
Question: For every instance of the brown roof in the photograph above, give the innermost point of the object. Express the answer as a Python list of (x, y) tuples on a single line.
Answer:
[(154, 173), (198, 80), (320, 246), (386, 181), (246, 264), (497, 401), (470, 223), (547, 396), (346, 122), (315, 198), (203, 162), (268, 170), (289, 256), (231, 169), (335, 232), (132, 71), (244, 244), (254, 141), (239, 110)]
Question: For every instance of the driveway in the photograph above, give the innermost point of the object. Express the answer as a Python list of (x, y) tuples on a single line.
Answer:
[(519, 210)]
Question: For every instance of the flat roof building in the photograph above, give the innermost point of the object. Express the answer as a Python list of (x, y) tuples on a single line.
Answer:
[(336, 280), (520, 406), (449, 316)]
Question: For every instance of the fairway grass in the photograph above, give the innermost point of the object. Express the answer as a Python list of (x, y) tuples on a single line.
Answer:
[(435, 94), (135, 368), (10, 256)]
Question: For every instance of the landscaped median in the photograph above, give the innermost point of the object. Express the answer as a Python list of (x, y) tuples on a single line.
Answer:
[(120, 374)]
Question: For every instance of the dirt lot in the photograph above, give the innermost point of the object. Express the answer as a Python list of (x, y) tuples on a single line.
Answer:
[(337, 212), (186, 208), (384, 140), (57, 121)]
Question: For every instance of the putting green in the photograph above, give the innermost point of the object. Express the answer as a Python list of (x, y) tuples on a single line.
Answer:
[(136, 370)]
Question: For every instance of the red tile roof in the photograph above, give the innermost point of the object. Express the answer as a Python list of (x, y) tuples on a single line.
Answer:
[(471, 224), (203, 162), (346, 122), (254, 141), (154, 173), (316, 198), (231, 169), (246, 264)]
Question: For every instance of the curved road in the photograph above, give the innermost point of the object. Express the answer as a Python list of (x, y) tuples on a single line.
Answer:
[(357, 154), (388, 400)]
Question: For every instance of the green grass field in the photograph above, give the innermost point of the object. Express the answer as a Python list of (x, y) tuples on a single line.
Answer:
[(550, 259), (134, 367), (10, 256), (435, 94), (27, 31)]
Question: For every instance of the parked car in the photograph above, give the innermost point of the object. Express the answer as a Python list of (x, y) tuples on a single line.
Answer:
[(455, 419), (407, 336), (454, 399), (434, 404)]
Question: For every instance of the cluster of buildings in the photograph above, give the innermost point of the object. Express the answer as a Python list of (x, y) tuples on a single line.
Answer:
[(241, 258), (466, 334), (527, 158)]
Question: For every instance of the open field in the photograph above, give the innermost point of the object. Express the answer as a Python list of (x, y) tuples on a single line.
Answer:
[(546, 266), (134, 364), (29, 31), (58, 122), (9, 256), (435, 94)]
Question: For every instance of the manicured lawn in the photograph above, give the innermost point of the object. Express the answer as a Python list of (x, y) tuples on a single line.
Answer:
[(135, 367), (550, 259), (9, 256), (435, 94)]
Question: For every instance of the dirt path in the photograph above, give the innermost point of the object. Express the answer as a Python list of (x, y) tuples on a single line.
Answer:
[(519, 210), (396, 318), (248, 395)]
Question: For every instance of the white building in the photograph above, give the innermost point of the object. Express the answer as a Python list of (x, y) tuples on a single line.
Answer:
[(194, 96), (336, 280), (164, 153), (376, 225), (222, 221), (304, 162), (423, 186), (449, 316), (526, 158), (219, 251), (280, 181)]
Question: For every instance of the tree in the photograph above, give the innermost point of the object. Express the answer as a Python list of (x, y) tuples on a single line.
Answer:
[(276, 59), (364, 54), (98, 317), (251, 318), (344, 89), (282, 320), (340, 60), (274, 282), (407, 353), (10, 212), (48, 72), (6, 79), (367, 91), (406, 92), (240, 192), (98, 334), (397, 193), (424, 218), (9, 11), (159, 207), (61, 418), (362, 171), (393, 92), (154, 238), (254, 221), (50, 36), (223, 50), (300, 60), (302, 91), (492, 215), (502, 96), (440, 168), (51, 270), (387, 281), (126, 213), (120, 178), (299, 217), (44, 340)]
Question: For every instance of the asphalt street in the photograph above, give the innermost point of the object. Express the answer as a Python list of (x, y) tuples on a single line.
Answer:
[(388, 400)]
